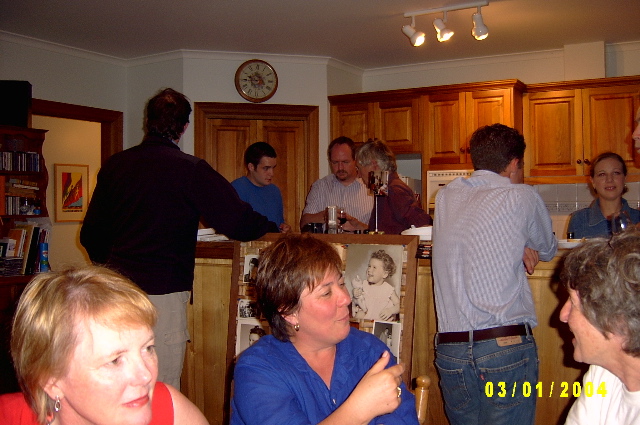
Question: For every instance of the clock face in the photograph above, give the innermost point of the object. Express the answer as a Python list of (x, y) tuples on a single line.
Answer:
[(256, 80)]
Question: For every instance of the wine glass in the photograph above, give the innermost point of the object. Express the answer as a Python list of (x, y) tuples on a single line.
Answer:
[(620, 221), (342, 218)]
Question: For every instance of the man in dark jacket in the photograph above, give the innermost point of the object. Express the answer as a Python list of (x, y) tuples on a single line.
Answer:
[(143, 220)]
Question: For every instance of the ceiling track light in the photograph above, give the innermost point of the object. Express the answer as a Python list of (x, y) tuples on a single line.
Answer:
[(416, 37), (442, 32), (479, 30)]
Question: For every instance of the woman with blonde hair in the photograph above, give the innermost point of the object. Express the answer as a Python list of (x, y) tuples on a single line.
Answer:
[(82, 345)]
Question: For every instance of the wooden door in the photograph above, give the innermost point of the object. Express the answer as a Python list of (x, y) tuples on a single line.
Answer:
[(286, 137), (553, 133), (224, 130), (445, 139), (227, 140), (608, 123)]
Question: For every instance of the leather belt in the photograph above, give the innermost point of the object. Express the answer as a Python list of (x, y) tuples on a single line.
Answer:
[(483, 334)]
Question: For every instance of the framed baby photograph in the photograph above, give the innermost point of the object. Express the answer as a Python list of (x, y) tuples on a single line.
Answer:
[(380, 273)]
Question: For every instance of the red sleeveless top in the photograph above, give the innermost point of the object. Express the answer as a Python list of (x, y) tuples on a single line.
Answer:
[(14, 409)]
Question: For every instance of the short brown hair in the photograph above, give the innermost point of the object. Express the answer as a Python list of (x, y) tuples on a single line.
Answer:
[(287, 267), (167, 113), (606, 275), (494, 146), (43, 335), (342, 140)]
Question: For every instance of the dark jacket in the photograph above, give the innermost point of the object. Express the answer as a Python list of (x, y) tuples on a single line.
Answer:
[(144, 213)]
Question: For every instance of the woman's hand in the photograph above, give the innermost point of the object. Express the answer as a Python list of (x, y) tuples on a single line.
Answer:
[(377, 392)]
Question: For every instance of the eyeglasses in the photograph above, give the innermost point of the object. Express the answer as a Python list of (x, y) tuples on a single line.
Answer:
[(343, 163)]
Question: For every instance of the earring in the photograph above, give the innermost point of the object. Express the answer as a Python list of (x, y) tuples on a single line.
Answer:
[(56, 405), (296, 327)]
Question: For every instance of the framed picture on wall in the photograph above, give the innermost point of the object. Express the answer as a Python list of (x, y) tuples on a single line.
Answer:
[(71, 190)]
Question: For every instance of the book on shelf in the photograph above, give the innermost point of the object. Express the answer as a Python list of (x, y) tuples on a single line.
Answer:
[(19, 236), (28, 254), (9, 247)]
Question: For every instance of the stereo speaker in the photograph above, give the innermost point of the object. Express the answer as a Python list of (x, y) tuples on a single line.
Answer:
[(15, 102)]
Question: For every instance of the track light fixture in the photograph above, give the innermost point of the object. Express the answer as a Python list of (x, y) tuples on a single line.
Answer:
[(416, 37), (442, 32), (479, 31)]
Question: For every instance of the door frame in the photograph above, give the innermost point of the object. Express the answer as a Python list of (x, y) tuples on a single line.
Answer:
[(111, 122)]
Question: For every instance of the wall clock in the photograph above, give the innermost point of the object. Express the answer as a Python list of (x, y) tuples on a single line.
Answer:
[(256, 80)]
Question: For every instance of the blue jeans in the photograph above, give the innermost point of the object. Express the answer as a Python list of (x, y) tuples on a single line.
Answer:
[(471, 371)]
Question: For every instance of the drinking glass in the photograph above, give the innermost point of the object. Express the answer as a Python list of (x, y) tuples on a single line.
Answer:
[(342, 218), (620, 221)]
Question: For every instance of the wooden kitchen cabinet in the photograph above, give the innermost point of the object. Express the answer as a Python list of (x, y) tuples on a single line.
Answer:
[(454, 112), (568, 124), (392, 117)]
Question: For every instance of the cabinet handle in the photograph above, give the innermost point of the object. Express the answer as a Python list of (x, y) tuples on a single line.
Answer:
[(579, 161), (461, 150), (587, 162)]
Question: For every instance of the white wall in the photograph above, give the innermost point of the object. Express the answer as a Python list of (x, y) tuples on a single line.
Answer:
[(64, 75)]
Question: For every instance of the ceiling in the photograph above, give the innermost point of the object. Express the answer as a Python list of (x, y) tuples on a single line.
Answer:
[(363, 33)]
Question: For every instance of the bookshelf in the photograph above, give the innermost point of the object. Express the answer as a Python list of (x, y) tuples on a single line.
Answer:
[(23, 182)]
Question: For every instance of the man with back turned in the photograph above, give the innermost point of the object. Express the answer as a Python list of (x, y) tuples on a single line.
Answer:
[(488, 229), (143, 220)]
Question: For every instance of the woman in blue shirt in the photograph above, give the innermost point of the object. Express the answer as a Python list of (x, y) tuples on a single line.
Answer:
[(314, 367), (608, 174)]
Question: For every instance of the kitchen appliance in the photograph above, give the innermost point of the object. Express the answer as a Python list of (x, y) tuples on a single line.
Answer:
[(439, 178)]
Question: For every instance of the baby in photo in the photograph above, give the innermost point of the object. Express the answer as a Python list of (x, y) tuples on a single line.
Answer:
[(375, 298)]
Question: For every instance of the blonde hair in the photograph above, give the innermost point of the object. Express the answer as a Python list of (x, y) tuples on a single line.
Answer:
[(43, 336)]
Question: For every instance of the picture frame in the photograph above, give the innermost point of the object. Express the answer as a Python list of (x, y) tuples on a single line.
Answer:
[(71, 191), (355, 251)]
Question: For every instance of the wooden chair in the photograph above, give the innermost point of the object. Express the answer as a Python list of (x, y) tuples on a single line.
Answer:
[(422, 396)]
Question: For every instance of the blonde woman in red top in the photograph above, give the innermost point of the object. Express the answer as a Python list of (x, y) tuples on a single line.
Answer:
[(83, 348)]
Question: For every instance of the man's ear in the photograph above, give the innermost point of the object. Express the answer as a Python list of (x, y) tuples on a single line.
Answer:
[(250, 167), (511, 168)]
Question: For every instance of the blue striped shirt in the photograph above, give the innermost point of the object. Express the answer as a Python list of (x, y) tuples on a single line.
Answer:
[(482, 225)]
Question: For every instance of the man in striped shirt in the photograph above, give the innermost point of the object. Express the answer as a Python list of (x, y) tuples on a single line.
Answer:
[(488, 230), (341, 188)]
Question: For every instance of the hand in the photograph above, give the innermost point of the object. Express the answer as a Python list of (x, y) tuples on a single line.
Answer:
[(530, 259), (353, 224), (377, 392), (357, 292), (387, 314), (285, 228)]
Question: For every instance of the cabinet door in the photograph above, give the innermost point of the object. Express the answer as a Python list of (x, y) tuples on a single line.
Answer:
[(396, 122), (608, 124), (486, 107), (445, 138), (352, 121), (553, 133)]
